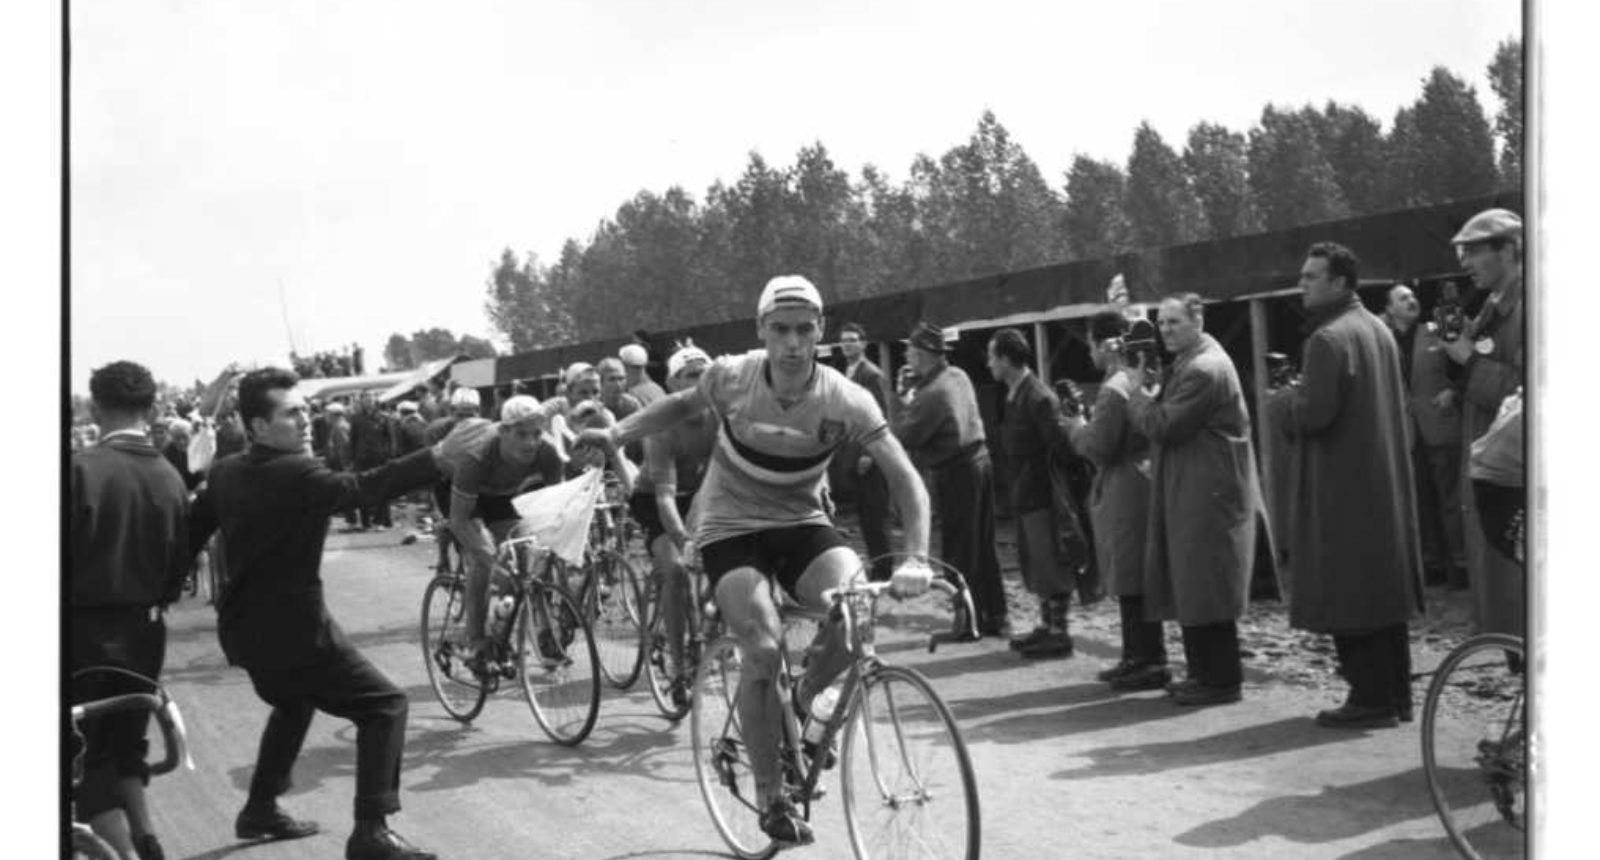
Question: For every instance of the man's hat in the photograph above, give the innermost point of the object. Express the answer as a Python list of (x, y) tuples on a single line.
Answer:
[(633, 355), (464, 398), (926, 335), (788, 291), (1490, 224)]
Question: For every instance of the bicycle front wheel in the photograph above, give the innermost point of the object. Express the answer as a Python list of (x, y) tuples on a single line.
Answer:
[(443, 616), (1475, 746), (611, 593), (721, 758), (558, 665), (908, 786)]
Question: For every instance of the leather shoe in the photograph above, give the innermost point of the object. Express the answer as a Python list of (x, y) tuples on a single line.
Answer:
[(1123, 667), (381, 843), (271, 824), (1204, 695), (1176, 687), (1048, 646), (997, 625), (1405, 713), (1357, 717), (1149, 677), (1019, 642)]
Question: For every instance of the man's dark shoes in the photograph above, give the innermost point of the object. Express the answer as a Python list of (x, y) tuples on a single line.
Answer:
[(1203, 695), (1048, 646), (783, 824), (1123, 667), (272, 824), (1357, 717), (381, 843), (148, 847), (1147, 677), (1019, 642), (995, 625)]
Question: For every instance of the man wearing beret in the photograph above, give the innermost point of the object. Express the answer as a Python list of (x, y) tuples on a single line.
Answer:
[(1490, 355), (941, 429)]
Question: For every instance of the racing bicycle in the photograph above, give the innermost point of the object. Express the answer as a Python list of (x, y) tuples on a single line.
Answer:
[(84, 842)]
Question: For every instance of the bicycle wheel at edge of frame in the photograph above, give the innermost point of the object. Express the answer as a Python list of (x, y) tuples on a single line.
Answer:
[(475, 694), (570, 619), (853, 795), (1459, 656), (711, 715), (619, 638), (87, 845)]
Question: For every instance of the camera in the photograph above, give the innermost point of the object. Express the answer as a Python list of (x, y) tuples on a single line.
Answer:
[(1280, 370), (1449, 318), (1070, 396), (1141, 340)]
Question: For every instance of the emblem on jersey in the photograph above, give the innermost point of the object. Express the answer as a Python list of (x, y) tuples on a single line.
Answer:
[(830, 432), (1484, 346)]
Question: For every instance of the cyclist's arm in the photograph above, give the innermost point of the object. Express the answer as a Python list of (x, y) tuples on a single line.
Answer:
[(905, 488), (470, 534), (660, 415), (663, 471)]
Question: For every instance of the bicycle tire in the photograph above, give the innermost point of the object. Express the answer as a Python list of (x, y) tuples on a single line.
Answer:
[(904, 770), (557, 664), (1460, 714), (659, 676), (89, 846), (461, 694), (610, 594), (721, 762)]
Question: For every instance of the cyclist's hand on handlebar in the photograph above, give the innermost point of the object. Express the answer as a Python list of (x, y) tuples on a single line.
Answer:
[(911, 578)]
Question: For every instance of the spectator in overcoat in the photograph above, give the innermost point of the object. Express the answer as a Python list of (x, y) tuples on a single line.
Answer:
[(1029, 435), (1207, 497), (942, 431), (127, 556), (1119, 506), (1490, 355), (1357, 564), (371, 445), (872, 489), (1434, 422)]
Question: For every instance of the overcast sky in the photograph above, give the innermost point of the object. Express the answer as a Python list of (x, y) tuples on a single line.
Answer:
[(370, 160)]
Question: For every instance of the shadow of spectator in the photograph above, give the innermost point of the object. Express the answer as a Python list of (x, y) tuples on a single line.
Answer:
[(1253, 741), (1092, 708)]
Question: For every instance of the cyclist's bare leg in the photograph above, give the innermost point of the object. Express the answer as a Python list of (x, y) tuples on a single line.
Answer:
[(112, 826), (130, 791), (668, 566), (752, 618), (829, 653), (478, 579)]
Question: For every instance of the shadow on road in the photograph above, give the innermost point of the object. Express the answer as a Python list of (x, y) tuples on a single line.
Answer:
[(225, 851), (1251, 741), (1089, 708), (1337, 812)]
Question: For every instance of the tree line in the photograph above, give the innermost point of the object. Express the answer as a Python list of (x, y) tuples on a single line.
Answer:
[(667, 260)]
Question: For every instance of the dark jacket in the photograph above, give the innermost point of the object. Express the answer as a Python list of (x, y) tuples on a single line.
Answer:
[(1354, 555), (1028, 436), (127, 526), (371, 438), (1430, 373), (273, 508), (1119, 503), (178, 455), (941, 423), (411, 435)]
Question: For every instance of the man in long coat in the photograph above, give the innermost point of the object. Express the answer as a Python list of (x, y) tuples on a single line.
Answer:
[(1490, 354), (1206, 502), (1119, 507), (1357, 565)]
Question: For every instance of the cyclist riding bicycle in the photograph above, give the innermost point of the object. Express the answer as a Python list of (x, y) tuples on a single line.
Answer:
[(675, 465), (782, 416), (488, 466)]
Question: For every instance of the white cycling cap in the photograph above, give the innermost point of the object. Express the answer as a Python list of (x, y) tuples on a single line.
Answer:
[(788, 291), (633, 355), (464, 397), (684, 357), (523, 407)]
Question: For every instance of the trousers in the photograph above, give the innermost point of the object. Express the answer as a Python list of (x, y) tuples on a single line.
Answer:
[(345, 684), (1212, 651), (1377, 666), (965, 489), (1142, 641)]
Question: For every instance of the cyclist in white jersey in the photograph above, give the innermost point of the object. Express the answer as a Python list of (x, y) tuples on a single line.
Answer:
[(782, 416)]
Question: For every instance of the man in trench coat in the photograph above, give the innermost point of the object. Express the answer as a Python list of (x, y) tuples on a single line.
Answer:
[(1357, 571), (1206, 502)]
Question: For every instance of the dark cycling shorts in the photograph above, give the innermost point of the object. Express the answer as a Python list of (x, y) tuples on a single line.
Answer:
[(781, 552), (490, 509), (648, 515)]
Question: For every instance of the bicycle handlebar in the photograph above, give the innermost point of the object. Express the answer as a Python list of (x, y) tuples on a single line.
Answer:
[(173, 736), (959, 593)]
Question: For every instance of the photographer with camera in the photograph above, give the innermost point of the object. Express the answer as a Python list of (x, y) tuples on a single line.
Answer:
[(1119, 503), (1434, 422), (1206, 500)]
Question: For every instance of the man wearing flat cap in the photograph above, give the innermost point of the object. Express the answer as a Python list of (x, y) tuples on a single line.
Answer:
[(942, 431), (1490, 355)]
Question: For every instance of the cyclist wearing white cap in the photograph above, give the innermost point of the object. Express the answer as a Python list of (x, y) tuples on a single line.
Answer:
[(635, 363), (782, 416), (675, 465), (500, 462)]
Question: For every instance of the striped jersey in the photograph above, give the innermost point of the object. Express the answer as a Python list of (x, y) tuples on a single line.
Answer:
[(769, 461)]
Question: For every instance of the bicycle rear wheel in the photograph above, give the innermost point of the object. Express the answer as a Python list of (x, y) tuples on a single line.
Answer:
[(660, 672), (443, 615), (87, 846), (557, 664), (611, 594), (1475, 746), (908, 786), (721, 759)]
